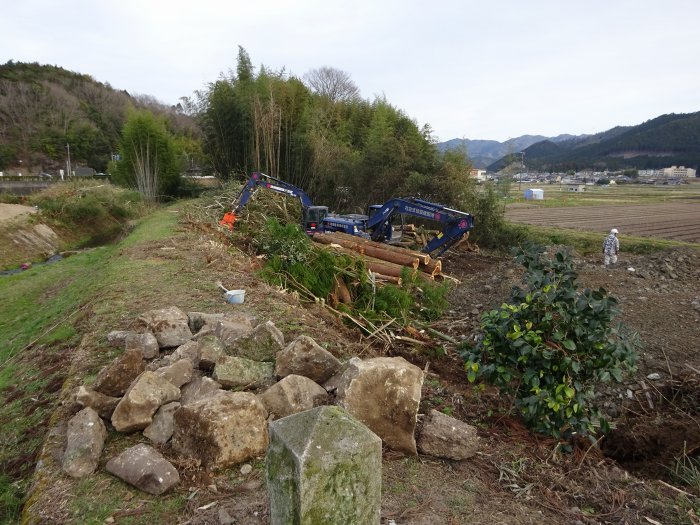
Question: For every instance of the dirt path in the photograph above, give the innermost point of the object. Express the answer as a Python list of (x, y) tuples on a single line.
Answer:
[(8, 211)]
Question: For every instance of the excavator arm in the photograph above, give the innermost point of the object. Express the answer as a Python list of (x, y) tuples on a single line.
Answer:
[(312, 216), (455, 223), (260, 180)]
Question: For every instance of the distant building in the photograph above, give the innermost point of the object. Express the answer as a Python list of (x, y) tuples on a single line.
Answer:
[(676, 172), (534, 194), (477, 174), (649, 173), (577, 187)]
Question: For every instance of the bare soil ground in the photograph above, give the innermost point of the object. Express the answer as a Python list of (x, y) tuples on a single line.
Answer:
[(518, 477), (9, 211), (678, 221)]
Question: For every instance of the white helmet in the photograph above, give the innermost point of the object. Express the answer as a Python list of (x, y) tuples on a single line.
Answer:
[(614, 230)]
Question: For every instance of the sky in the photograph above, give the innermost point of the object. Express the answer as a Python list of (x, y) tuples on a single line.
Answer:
[(493, 69)]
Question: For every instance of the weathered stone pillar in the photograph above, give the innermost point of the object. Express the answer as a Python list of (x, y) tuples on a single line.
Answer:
[(323, 466)]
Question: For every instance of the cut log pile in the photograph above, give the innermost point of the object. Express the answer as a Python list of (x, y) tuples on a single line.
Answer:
[(384, 261), (412, 235)]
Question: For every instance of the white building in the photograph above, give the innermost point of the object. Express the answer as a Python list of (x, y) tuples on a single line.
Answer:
[(534, 194), (649, 173), (478, 174), (676, 172)]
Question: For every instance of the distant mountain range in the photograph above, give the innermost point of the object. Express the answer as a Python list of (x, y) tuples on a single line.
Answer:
[(485, 152), (667, 140)]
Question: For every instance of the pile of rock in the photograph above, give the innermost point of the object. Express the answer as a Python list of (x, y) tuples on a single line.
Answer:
[(208, 385)]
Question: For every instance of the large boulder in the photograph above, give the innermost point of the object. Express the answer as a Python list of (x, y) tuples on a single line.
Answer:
[(200, 321), (146, 343), (190, 350), (384, 394), (291, 395), (161, 428), (224, 430), (198, 389), (84, 441), (211, 349), (237, 372), (323, 466), (117, 338), (262, 344), (179, 373), (443, 436), (169, 325), (136, 409), (306, 358), (145, 468), (230, 329), (115, 378), (100, 403)]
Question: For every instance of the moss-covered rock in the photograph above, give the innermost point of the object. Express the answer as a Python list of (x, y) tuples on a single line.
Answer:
[(323, 466)]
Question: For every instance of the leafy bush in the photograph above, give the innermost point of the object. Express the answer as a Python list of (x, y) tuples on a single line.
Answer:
[(87, 203), (551, 344), (285, 241)]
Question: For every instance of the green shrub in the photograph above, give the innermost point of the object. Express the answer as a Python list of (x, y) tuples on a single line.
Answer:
[(551, 344), (12, 198), (434, 300), (284, 241), (87, 203)]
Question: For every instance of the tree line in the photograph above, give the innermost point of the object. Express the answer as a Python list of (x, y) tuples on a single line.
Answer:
[(315, 132)]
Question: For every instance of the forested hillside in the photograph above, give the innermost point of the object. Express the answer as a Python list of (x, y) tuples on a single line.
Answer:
[(482, 153), (315, 132), (43, 108), (661, 142)]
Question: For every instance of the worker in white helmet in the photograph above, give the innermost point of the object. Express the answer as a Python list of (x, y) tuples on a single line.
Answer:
[(611, 246)]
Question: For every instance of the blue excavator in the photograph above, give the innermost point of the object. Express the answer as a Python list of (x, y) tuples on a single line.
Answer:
[(377, 225)]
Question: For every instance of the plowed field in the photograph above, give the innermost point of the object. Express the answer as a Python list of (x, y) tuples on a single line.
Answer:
[(678, 221)]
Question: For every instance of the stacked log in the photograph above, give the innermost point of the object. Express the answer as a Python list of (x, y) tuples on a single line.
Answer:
[(383, 259)]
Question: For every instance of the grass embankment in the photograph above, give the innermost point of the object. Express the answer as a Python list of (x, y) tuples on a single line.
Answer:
[(57, 314)]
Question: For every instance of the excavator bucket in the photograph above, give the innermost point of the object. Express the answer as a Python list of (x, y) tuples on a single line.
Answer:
[(228, 220)]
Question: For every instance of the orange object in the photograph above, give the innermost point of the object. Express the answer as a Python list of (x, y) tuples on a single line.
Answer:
[(229, 220)]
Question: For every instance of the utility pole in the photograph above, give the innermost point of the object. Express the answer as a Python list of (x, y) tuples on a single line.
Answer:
[(522, 168), (68, 163)]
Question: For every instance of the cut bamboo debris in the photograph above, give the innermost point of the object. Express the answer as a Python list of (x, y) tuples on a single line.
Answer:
[(342, 292), (378, 277)]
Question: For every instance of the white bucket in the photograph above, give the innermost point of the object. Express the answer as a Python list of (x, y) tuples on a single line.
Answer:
[(234, 296)]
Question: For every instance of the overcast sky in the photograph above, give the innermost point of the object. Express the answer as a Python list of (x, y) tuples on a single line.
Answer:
[(481, 70)]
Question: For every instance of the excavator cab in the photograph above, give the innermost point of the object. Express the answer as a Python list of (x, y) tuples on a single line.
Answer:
[(313, 218)]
